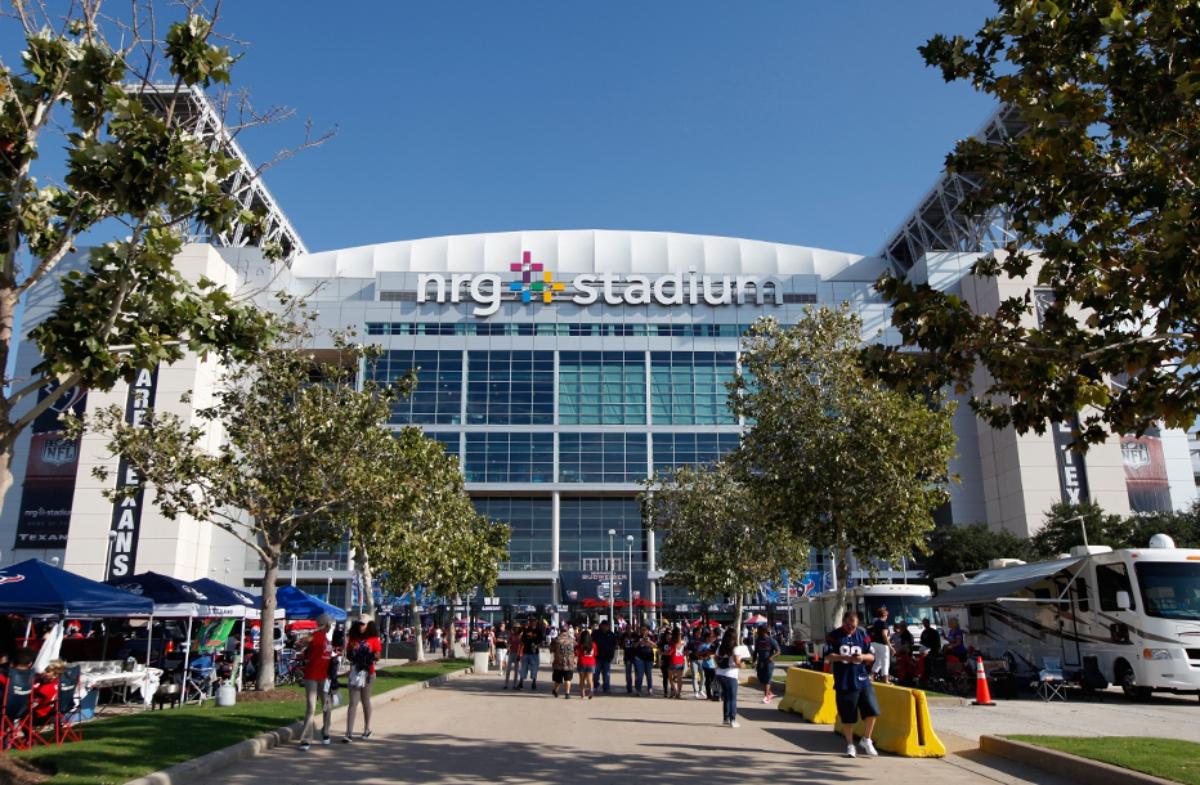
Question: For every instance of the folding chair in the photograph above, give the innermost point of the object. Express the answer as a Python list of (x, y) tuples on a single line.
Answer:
[(198, 679), (66, 727), (1051, 683), (16, 722)]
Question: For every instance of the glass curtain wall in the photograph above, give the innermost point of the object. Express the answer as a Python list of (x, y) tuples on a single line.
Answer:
[(583, 532), (601, 457), (531, 521), (601, 388), (510, 388), (689, 388), (437, 398)]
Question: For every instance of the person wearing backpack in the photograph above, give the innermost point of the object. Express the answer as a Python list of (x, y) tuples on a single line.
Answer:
[(363, 648)]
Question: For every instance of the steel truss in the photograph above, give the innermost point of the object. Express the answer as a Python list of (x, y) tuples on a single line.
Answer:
[(198, 116), (939, 224)]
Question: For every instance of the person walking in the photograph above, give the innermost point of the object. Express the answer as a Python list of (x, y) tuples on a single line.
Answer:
[(728, 662), (606, 650), (629, 642), (512, 665), (848, 650), (531, 646), (707, 655), (644, 661), (587, 653), (564, 662), (765, 650), (664, 660), (881, 645), (317, 661), (500, 647), (363, 648), (676, 655)]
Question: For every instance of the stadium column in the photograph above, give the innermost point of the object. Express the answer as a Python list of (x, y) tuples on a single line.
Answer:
[(555, 539)]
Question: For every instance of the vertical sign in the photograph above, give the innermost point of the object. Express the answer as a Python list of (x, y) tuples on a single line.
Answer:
[(49, 488), (127, 511), (1072, 469)]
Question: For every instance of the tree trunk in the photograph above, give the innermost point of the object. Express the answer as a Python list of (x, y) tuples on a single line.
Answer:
[(418, 629), (368, 603), (843, 567), (739, 609), (450, 626), (266, 640)]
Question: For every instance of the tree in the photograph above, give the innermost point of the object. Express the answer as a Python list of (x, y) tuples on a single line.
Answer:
[(952, 549), (838, 458), (296, 454), (1062, 529), (432, 537), (1182, 526), (715, 540), (125, 167), (1100, 189)]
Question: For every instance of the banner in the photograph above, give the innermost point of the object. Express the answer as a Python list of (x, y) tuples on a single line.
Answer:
[(1146, 474), (580, 586), (127, 512), (49, 488)]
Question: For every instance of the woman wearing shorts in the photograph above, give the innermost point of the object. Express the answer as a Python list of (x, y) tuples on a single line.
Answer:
[(585, 652), (676, 664)]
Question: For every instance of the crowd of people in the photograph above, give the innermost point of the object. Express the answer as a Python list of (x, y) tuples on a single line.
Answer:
[(709, 657)]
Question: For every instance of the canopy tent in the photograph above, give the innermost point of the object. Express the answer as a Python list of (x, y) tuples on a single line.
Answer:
[(220, 594), (756, 619), (34, 588), (998, 584), (174, 598), (300, 605)]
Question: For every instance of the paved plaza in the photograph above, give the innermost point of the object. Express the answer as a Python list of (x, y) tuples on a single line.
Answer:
[(470, 730)]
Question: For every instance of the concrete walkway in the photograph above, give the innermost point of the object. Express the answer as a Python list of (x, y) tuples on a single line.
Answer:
[(472, 731)]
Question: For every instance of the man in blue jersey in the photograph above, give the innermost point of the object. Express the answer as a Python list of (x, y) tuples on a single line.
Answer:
[(848, 648)]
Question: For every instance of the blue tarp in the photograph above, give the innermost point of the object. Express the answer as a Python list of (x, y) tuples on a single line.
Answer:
[(300, 605), (34, 588)]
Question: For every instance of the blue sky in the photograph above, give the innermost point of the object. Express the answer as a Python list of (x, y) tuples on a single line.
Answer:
[(815, 124)]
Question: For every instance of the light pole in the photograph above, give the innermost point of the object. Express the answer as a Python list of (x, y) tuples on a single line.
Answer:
[(112, 538), (328, 584), (293, 570), (629, 547), (612, 600)]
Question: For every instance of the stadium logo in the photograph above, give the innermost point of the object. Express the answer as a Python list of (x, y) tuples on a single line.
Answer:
[(535, 279)]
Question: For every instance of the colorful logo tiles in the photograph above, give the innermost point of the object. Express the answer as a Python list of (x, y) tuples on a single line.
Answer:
[(534, 279)]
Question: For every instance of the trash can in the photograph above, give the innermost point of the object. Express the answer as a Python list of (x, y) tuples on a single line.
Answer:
[(479, 653), (226, 695)]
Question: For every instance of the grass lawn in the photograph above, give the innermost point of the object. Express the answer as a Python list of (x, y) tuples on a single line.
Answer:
[(1167, 758), (118, 749)]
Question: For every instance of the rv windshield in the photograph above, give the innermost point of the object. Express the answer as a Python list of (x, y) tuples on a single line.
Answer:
[(1170, 590), (899, 607)]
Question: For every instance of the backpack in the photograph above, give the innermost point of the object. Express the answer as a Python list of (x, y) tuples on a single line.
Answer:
[(362, 658)]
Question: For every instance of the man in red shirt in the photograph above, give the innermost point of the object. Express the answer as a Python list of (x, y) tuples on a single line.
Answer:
[(318, 658)]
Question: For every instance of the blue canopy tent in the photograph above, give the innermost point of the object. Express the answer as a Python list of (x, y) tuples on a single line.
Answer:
[(174, 598), (34, 588), (220, 594), (301, 605)]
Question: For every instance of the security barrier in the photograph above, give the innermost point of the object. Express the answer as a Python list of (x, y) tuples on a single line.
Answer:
[(903, 726), (809, 693)]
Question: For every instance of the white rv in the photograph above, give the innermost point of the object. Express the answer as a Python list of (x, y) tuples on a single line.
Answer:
[(814, 616), (1131, 616)]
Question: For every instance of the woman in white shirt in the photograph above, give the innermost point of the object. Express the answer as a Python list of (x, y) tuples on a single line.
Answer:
[(730, 657)]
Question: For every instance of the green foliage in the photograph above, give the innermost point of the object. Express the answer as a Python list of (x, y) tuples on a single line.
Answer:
[(428, 534), (301, 446), (1183, 527), (1102, 185), (837, 458), (953, 548), (1061, 529), (129, 309), (716, 540)]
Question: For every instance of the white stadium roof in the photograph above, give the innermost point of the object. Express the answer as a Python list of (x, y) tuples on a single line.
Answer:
[(588, 251)]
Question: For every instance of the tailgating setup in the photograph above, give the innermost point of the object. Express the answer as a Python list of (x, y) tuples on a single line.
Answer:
[(1130, 617)]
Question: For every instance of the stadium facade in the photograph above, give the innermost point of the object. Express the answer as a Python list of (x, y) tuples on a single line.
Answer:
[(561, 368)]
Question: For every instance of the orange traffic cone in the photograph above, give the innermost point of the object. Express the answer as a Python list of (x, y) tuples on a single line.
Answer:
[(828, 667), (983, 696)]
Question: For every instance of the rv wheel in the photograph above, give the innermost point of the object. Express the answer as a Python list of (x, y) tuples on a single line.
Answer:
[(1128, 685)]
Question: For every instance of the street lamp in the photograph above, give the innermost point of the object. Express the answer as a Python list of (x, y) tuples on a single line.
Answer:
[(112, 538), (293, 570), (328, 584), (54, 560), (629, 547), (612, 600)]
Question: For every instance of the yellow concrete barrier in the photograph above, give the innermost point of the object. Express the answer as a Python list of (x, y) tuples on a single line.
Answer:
[(809, 693), (903, 727)]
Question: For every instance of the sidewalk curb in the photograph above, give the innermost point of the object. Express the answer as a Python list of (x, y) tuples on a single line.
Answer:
[(1064, 764), (198, 769)]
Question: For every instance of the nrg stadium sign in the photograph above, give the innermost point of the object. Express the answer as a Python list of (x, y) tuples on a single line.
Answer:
[(535, 282)]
